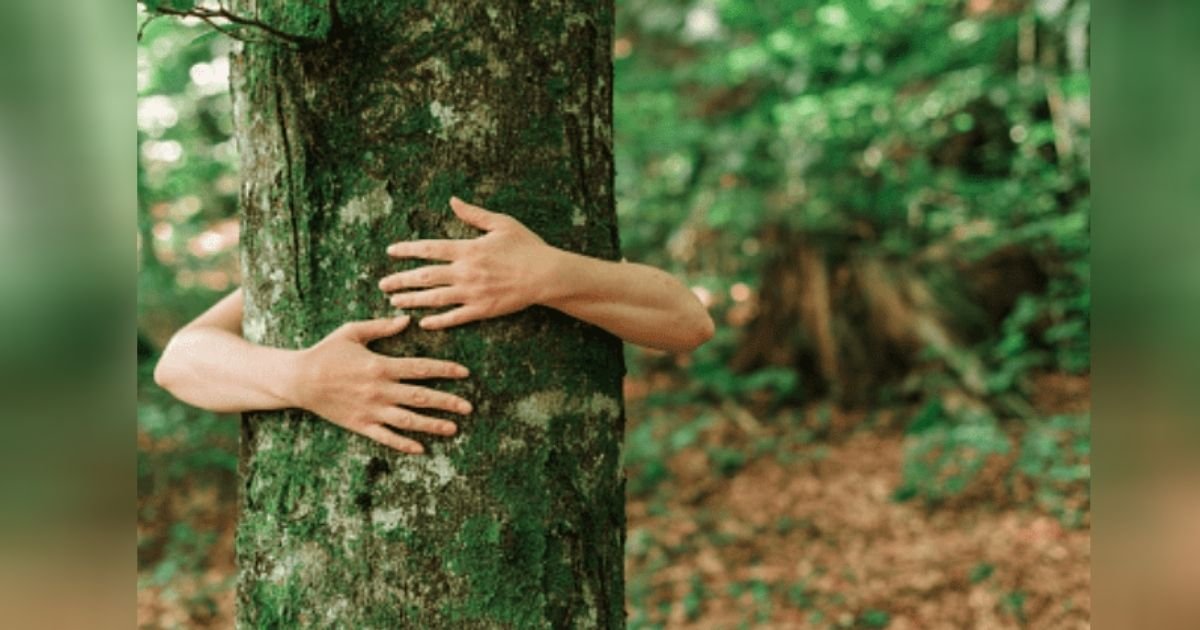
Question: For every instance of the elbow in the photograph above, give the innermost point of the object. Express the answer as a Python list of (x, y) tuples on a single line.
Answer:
[(701, 330), (167, 371), (164, 375)]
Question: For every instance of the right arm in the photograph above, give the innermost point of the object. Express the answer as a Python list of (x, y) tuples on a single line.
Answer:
[(210, 365)]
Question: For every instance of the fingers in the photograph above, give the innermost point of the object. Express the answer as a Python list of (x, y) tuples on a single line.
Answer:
[(456, 317), (391, 439), (409, 369), (428, 276), (406, 420), (476, 216), (426, 249), (430, 298), (425, 398), (367, 330)]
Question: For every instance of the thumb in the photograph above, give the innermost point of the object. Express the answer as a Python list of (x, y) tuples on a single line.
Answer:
[(474, 215), (370, 329)]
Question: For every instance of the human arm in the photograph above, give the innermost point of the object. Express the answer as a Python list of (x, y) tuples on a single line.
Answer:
[(208, 364), (510, 268)]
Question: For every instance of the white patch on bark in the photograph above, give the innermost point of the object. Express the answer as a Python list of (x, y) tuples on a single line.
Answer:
[(498, 68), (337, 611), (537, 409), (509, 444), (590, 609), (437, 469), (277, 278), (266, 442), (367, 208), (422, 26), (577, 19), (578, 218), (599, 404), (308, 556), (344, 524), (445, 115), (474, 124), (254, 329), (440, 69), (390, 519)]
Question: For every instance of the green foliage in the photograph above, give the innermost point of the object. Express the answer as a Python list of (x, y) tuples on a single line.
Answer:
[(981, 572), (948, 452), (945, 459), (1013, 603), (185, 553), (894, 128), (187, 174), (693, 601), (652, 442), (800, 596), (760, 594), (874, 619), (1055, 459), (726, 461), (178, 5), (711, 377)]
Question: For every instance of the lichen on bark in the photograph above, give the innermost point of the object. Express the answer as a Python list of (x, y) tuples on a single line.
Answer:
[(518, 521)]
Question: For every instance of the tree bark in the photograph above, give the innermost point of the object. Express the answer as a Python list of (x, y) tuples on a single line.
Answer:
[(356, 141)]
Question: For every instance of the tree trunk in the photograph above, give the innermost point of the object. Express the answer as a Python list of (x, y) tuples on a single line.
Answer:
[(357, 140)]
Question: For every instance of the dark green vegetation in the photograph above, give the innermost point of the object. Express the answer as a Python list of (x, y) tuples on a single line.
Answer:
[(886, 203)]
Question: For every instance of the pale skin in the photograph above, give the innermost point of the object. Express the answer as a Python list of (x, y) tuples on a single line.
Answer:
[(208, 363)]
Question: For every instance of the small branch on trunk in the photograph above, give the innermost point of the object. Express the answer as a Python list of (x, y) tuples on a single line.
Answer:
[(212, 17), (142, 29)]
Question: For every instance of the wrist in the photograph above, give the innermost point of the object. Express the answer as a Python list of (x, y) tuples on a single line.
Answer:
[(290, 386), (555, 282)]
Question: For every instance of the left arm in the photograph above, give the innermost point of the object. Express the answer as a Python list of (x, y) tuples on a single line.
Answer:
[(510, 268)]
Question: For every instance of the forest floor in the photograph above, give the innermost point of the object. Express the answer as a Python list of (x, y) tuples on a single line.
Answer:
[(801, 534)]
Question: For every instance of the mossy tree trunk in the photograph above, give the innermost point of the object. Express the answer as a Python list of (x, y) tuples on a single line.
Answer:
[(359, 140)]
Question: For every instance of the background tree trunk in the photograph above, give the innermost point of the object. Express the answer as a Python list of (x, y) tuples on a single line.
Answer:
[(359, 140)]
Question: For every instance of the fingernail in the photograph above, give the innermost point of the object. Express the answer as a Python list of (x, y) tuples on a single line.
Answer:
[(416, 450), (464, 407), (391, 249), (462, 371), (450, 429)]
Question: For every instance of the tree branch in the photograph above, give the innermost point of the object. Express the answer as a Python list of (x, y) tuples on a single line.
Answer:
[(210, 16), (142, 29)]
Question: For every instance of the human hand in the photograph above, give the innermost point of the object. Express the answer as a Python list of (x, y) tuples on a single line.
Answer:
[(501, 272), (341, 380)]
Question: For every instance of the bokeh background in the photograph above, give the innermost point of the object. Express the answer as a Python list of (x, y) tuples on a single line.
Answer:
[(885, 204)]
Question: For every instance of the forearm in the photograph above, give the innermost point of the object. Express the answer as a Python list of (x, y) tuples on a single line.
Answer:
[(218, 370), (638, 303)]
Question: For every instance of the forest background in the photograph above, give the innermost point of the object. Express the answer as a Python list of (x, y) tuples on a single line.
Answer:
[(884, 203)]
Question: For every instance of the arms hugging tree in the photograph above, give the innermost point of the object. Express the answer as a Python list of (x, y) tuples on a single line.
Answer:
[(357, 141)]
